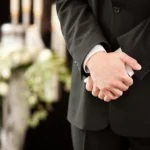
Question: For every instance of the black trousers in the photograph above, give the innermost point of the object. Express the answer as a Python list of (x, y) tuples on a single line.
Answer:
[(106, 140)]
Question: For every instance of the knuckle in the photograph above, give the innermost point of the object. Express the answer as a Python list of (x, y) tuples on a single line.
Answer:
[(109, 96), (117, 84), (120, 93), (107, 100), (95, 80), (108, 87), (128, 81), (123, 78), (103, 89), (114, 84), (94, 94), (126, 88), (100, 97), (111, 84), (117, 97), (88, 88), (131, 82), (112, 97)]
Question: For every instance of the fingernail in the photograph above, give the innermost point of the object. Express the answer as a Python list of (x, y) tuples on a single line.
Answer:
[(85, 81), (139, 66)]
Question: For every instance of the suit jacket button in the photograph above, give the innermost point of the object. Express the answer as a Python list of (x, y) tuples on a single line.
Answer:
[(117, 10)]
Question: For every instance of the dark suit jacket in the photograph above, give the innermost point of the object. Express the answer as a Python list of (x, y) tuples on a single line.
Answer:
[(112, 23)]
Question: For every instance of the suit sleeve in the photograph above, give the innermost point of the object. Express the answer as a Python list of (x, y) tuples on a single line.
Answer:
[(136, 43), (80, 29)]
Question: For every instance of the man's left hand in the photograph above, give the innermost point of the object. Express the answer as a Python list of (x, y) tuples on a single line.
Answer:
[(97, 93)]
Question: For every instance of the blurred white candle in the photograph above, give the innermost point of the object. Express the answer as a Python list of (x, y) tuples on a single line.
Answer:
[(57, 39), (26, 8), (38, 8), (14, 10), (38, 11), (26, 5)]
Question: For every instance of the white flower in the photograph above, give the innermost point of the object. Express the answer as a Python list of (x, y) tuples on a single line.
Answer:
[(3, 88), (51, 89), (5, 73), (44, 55), (26, 58), (16, 59), (32, 100)]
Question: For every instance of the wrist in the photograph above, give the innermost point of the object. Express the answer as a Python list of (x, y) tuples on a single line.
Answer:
[(94, 50), (93, 58)]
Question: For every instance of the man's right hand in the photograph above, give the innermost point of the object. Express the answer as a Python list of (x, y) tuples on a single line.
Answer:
[(109, 75)]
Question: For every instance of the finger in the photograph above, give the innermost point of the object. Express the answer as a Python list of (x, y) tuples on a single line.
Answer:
[(108, 96), (130, 61), (121, 86), (101, 95), (89, 84), (127, 80), (107, 99), (95, 91), (116, 92)]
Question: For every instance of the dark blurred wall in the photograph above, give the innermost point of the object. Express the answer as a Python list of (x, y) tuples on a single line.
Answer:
[(4, 12), (45, 29)]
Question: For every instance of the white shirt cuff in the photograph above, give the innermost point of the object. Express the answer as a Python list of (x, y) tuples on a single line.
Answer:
[(97, 48), (128, 69)]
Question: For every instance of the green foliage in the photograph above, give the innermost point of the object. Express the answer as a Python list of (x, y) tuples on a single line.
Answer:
[(43, 72), (41, 78)]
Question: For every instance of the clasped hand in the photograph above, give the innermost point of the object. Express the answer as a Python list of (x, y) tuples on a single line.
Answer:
[(108, 76)]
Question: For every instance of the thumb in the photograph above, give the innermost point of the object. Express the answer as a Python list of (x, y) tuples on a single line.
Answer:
[(131, 62), (89, 84)]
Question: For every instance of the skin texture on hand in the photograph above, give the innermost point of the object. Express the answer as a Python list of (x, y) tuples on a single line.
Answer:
[(96, 92), (109, 78)]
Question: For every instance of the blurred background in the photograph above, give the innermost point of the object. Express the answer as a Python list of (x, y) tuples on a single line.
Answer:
[(34, 77)]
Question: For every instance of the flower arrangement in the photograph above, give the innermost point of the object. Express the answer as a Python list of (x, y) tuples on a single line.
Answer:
[(43, 70)]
